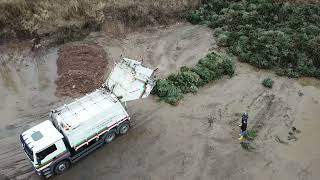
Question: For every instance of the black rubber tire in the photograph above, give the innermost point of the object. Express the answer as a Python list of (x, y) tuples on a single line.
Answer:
[(61, 167), (110, 136), (123, 128)]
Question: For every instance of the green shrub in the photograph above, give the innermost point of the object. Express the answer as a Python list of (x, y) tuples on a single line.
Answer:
[(314, 50), (215, 65), (223, 39), (267, 83), (209, 68), (227, 65), (187, 81), (194, 17), (265, 33), (167, 91), (205, 74), (250, 134)]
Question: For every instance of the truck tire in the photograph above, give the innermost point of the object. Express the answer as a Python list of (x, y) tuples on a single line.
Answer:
[(61, 167), (124, 127), (110, 136)]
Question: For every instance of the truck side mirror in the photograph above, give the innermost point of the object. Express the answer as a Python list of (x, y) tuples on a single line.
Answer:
[(38, 161)]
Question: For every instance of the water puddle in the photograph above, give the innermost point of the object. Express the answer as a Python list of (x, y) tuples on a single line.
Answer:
[(305, 81), (26, 85)]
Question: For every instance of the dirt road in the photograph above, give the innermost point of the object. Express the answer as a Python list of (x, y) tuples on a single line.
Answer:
[(169, 142)]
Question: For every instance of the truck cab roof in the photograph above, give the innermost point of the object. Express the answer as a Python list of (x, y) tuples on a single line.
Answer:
[(41, 136)]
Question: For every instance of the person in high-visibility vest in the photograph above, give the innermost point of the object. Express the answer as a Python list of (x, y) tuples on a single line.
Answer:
[(243, 125)]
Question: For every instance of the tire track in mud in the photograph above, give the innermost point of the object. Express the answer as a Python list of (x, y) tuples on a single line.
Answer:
[(270, 109), (13, 160)]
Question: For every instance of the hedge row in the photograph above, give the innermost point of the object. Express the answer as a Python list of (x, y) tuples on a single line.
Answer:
[(212, 67), (267, 34)]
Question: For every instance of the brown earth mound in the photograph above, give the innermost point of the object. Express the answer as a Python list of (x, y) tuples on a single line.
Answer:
[(81, 69)]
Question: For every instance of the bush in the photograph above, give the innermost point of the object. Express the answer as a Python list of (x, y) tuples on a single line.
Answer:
[(267, 34), (205, 74), (167, 91), (209, 68), (250, 134), (187, 81), (267, 83)]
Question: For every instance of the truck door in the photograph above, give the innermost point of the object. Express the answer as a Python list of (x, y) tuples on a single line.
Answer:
[(130, 80), (46, 156)]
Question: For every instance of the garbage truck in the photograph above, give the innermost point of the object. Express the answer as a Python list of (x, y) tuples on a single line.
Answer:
[(74, 130)]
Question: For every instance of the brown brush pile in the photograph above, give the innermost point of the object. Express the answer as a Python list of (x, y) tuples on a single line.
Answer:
[(81, 69)]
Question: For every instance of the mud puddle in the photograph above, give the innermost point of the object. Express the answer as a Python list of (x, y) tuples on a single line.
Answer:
[(309, 82), (27, 93)]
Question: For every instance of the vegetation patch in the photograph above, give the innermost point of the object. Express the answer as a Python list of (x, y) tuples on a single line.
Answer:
[(268, 34), (267, 83), (188, 80), (250, 134)]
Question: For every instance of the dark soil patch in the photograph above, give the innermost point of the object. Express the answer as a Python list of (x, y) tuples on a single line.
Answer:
[(81, 69)]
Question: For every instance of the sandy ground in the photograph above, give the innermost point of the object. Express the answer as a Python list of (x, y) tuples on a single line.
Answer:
[(168, 142)]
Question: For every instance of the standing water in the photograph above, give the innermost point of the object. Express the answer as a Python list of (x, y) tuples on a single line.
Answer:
[(27, 93)]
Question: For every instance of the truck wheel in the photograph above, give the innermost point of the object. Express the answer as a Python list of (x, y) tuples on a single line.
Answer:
[(61, 167), (110, 137), (124, 127)]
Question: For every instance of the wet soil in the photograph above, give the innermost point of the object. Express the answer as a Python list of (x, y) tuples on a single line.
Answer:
[(81, 69), (197, 139), (27, 93)]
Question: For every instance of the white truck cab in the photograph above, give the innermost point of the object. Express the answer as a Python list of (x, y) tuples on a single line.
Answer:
[(42, 144), (78, 128)]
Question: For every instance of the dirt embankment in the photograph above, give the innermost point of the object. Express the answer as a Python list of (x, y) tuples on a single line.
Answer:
[(63, 19), (81, 69)]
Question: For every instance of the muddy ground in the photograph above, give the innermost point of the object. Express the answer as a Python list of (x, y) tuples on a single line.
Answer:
[(168, 142)]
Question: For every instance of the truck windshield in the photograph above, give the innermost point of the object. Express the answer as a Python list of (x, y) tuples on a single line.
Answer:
[(27, 149)]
